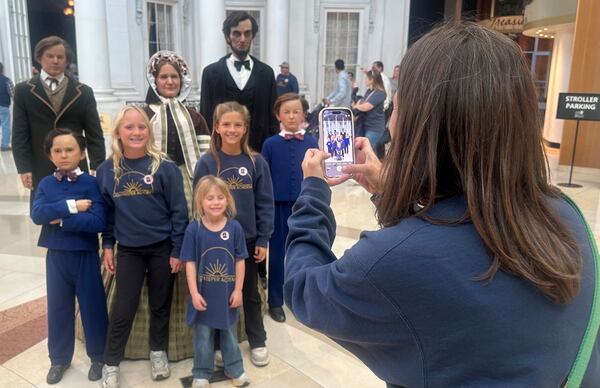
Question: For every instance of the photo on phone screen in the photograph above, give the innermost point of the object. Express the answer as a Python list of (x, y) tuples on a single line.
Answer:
[(337, 139)]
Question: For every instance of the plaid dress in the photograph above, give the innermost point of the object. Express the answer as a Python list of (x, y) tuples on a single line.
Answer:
[(180, 335)]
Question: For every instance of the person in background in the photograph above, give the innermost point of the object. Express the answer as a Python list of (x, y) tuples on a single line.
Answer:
[(377, 67), (482, 273), (370, 121), (49, 100), (286, 81), (394, 80), (7, 91), (354, 86), (342, 95)]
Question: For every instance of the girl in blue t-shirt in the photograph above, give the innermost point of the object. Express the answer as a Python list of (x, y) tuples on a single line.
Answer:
[(214, 249), (247, 176)]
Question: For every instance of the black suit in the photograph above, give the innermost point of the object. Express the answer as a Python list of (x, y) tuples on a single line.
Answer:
[(34, 117), (258, 96)]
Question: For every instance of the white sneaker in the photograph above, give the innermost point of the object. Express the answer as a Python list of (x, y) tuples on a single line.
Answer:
[(110, 376), (259, 356), (218, 359), (242, 381), (160, 365), (200, 383)]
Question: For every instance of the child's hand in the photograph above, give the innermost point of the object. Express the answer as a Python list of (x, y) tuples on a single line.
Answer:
[(109, 264), (83, 204), (235, 300), (199, 302), (55, 222), (260, 253), (175, 264)]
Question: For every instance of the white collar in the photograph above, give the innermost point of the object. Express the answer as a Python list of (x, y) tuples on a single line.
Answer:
[(44, 76), (232, 58), (283, 132)]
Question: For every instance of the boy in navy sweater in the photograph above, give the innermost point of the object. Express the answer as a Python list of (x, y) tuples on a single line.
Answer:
[(71, 210), (284, 153)]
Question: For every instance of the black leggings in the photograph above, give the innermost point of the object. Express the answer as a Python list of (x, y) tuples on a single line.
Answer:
[(132, 266)]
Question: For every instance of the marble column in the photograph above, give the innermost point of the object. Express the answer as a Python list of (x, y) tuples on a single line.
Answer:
[(558, 82), (276, 31), (120, 59), (92, 50), (208, 23)]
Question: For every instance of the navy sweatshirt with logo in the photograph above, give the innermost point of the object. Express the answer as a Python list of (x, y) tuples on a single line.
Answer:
[(144, 208)]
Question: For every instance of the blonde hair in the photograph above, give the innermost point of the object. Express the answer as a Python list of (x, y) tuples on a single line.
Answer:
[(215, 139), (202, 188), (117, 146)]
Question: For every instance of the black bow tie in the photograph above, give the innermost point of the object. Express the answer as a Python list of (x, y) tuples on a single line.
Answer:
[(60, 174), (238, 64)]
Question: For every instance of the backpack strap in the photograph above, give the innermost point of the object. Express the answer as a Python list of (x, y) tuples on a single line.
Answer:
[(589, 338)]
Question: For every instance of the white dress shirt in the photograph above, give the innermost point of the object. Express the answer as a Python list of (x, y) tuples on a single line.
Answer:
[(44, 76), (240, 77)]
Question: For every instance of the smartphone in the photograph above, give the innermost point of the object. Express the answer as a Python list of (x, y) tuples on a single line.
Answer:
[(336, 134)]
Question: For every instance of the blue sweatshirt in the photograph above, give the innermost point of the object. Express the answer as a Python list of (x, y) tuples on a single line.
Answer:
[(284, 158), (405, 302), (143, 209), (79, 231), (251, 188)]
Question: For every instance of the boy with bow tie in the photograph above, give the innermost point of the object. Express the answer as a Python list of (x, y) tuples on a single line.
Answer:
[(284, 153), (72, 212)]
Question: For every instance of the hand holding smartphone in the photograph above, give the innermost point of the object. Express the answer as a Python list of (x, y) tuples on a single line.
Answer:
[(336, 130)]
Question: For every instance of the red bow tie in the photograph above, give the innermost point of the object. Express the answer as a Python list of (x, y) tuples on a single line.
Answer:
[(289, 136), (60, 174)]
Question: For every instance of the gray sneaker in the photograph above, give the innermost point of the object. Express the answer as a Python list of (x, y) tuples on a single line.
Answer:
[(200, 383), (160, 365), (242, 381), (259, 356), (110, 376)]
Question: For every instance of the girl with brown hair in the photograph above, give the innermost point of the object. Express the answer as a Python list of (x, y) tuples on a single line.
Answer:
[(482, 274)]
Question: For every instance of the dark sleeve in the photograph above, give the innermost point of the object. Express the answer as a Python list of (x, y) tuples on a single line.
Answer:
[(334, 296), (108, 235), (274, 124), (266, 152), (188, 246), (199, 123), (206, 98), (263, 202), (201, 169), (377, 98), (175, 198), (294, 85), (241, 251), (42, 211), (93, 132), (93, 220), (21, 133)]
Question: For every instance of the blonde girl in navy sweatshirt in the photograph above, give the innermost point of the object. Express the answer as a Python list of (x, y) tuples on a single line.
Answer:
[(147, 219)]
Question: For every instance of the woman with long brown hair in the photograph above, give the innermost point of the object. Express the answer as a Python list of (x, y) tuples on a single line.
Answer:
[(482, 273), (370, 119)]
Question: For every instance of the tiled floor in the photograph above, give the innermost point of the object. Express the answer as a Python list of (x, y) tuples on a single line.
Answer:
[(300, 357)]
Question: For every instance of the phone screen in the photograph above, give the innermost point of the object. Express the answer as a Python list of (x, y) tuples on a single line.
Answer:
[(337, 139)]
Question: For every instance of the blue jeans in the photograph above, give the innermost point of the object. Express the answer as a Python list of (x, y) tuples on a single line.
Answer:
[(5, 123), (204, 351), (373, 137)]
